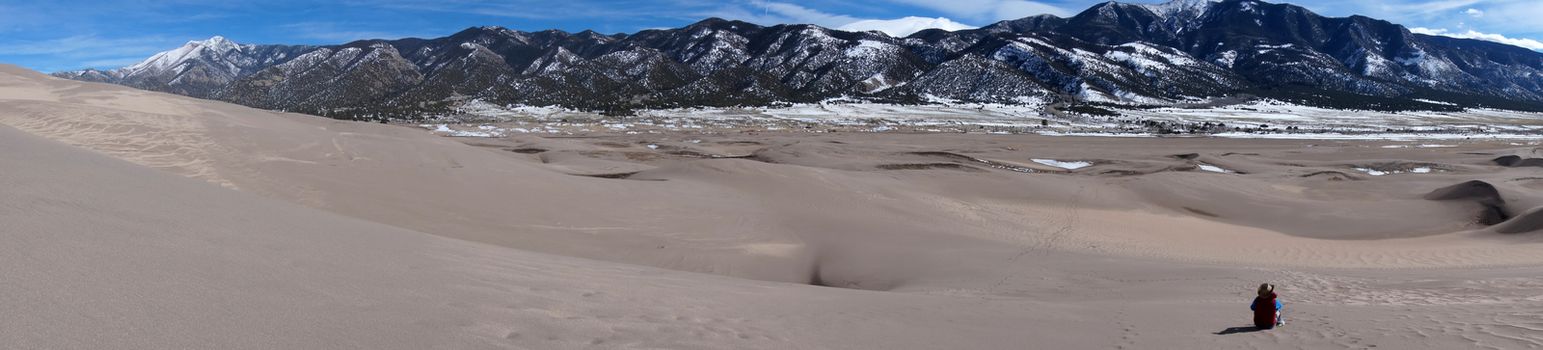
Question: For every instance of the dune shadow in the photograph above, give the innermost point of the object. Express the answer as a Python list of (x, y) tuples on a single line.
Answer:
[(1236, 330)]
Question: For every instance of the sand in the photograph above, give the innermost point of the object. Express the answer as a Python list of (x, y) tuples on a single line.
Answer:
[(144, 220)]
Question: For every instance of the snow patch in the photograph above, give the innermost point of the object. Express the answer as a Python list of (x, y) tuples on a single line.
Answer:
[(1444, 103), (485, 131), (1227, 59), (1214, 169), (1375, 172), (1068, 165)]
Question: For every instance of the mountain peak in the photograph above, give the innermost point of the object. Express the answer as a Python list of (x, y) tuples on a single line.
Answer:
[(1139, 53), (483, 31), (1180, 7), (1176, 14), (719, 23), (216, 43), (711, 21), (1035, 23), (193, 50), (594, 35)]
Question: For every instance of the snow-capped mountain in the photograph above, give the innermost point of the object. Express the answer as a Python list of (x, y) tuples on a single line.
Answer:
[(1282, 46), (1178, 15), (1150, 54), (198, 68)]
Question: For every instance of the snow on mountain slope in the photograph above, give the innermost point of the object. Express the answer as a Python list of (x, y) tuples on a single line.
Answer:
[(1181, 8), (1176, 52), (212, 49), (199, 68)]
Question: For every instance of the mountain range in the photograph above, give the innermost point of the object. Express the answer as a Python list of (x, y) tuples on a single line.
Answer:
[(1184, 52)]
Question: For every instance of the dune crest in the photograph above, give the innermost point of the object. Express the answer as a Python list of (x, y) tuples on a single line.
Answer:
[(1527, 222)]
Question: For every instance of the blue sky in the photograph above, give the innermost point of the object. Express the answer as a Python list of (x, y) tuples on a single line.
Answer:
[(62, 35)]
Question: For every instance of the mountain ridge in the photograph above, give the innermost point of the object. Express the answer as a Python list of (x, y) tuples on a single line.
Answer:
[(1184, 51)]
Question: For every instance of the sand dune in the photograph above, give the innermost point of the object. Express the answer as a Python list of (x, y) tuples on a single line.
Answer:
[(102, 254), (1518, 161), (331, 234), (1527, 222), (1491, 205)]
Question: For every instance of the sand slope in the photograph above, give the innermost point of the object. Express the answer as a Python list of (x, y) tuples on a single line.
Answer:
[(104, 254), (332, 234)]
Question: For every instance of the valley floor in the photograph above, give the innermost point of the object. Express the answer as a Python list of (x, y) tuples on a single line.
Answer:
[(1257, 119)]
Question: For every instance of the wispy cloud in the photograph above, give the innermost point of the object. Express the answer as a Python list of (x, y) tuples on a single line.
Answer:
[(989, 10), (541, 10), (85, 46), (18, 19), (1471, 34), (112, 62), (773, 13), (1511, 17), (1429, 8), (341, 33), (756, 11)]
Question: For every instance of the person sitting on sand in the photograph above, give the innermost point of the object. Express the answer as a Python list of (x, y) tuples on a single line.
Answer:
[(1266, 308)]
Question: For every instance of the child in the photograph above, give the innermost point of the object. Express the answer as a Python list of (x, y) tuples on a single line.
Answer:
[(1266, 308)]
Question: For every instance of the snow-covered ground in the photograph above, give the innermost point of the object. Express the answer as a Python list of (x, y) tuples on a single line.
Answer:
[(1375, 172), (1265, 119), (1262, 119)]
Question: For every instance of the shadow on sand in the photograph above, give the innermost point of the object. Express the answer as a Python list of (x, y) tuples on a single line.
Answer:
[(1236, 330)]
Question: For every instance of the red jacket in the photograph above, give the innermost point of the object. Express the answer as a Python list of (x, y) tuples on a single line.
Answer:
[(1264, 311)]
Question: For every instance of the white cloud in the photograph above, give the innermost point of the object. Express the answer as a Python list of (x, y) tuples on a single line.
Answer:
[(1408, 12), (800, 14), (905, 26), (1020, 9), (774, 13), (1471, 34), (1427, 8), (533, 10), (86, 50), (988, 10), (89, 45), (1513, 17), (342, 33), (1473, 12), (112, 62)]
